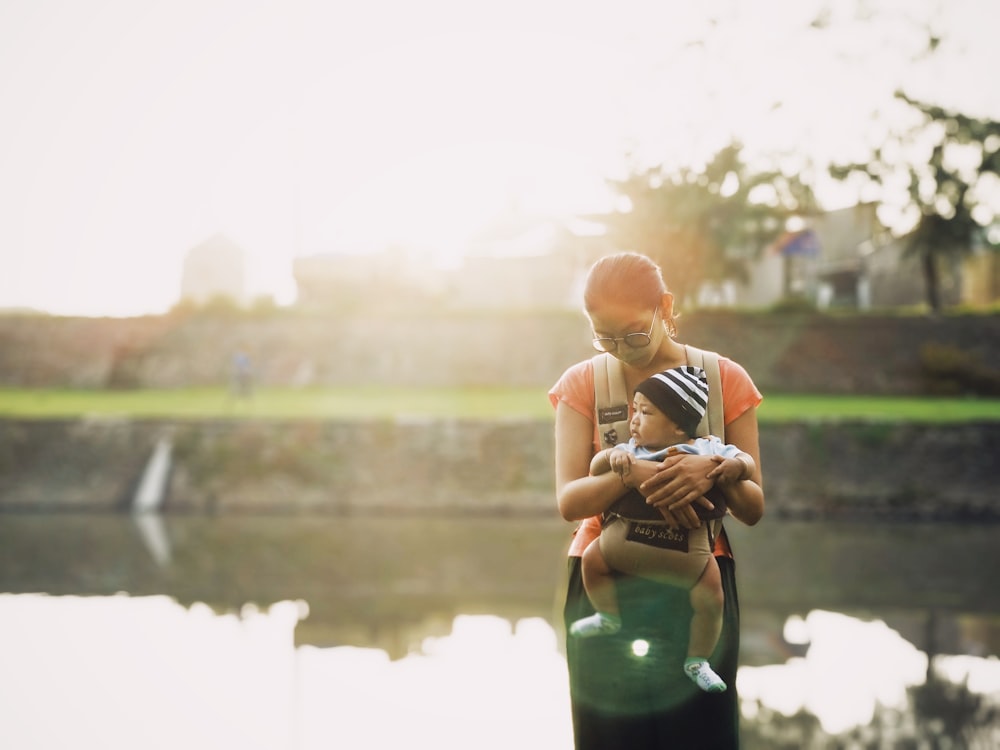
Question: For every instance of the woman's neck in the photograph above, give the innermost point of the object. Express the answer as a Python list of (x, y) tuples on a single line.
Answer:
[(670, 354)]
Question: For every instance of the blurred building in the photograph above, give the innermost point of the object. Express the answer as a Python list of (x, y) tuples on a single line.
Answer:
[(217, 268), (981, 277), (518, 262), (837, 259), (844, 258), (525, 262), (352, 281)]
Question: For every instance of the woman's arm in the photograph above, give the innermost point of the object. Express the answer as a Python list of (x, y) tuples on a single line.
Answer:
[(743, 493), (578, 494), (601, 462), (733, 478), (743, 432)]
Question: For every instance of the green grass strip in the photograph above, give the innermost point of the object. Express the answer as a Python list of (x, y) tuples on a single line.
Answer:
[(789, 408), (364, 402), (381, 403)]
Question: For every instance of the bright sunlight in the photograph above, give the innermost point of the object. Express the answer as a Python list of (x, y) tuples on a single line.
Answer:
[(134, 132)]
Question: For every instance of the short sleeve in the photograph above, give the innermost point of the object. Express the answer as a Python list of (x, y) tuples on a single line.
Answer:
[(739, 393), (575, 388)]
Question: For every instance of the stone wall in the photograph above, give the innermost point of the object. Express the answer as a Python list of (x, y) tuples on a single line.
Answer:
[(856, 469), (791, 353)]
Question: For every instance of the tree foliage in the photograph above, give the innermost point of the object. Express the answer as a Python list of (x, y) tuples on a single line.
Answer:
[(945, 171), (705, 223)]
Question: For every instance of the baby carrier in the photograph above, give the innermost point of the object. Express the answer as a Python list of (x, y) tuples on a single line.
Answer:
[(611, 410)]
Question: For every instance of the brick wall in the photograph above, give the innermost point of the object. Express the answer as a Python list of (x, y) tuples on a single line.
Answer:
[(854, 469)]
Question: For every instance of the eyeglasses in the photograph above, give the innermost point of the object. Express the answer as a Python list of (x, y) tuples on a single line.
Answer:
[(635, 340)]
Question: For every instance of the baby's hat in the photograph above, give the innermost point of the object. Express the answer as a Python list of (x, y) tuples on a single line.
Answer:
[(681, 393)]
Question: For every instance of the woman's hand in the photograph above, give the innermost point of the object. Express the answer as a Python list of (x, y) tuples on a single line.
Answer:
[(641, 471), (678, 483)]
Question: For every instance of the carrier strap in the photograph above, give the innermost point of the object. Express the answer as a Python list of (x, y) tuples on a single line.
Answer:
[(714, 421), (611, 400)]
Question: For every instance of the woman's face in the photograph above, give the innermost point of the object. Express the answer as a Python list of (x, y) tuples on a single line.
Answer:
[(615, 322)]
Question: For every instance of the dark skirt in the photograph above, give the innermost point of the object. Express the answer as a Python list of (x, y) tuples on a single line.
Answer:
[(628, 690)]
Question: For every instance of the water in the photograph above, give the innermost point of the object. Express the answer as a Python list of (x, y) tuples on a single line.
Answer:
[(301, 633)]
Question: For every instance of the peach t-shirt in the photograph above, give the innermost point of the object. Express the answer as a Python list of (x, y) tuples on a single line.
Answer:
[(576, 389)]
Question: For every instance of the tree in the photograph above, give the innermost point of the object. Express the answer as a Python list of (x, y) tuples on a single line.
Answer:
[(943, 175), (704, 224)]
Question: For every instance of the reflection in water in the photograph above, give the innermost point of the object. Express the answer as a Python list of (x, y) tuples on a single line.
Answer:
[(483, 686), (863, 683), (373, 633), (154, 535), (146, 672), (849, 668)]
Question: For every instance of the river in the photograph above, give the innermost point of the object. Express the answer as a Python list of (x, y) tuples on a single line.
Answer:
[(302, 632)]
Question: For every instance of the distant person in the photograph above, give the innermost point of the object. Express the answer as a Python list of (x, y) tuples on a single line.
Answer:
[(242, 375), (666, 412)]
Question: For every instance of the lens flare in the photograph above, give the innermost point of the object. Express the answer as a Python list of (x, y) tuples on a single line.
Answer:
[(640, 647)]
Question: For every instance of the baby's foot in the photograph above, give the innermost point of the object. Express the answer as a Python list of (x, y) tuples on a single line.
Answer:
[(703, 676), (600, 623)]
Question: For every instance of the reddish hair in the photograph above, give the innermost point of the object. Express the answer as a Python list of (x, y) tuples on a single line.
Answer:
[(626, 277)]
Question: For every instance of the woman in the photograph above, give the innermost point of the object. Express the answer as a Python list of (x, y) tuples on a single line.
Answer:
[(624, 688)]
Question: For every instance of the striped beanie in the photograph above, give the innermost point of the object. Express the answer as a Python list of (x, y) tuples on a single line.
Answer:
[(681, 393)]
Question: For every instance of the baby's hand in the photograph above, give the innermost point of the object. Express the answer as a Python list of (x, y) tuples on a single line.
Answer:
[(621, 462), (726, 470)]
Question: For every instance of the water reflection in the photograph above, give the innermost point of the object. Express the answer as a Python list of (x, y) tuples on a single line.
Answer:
[(126, 672), (850, 667), (861, 685), (146, 672), (371, 632), (485, 685)]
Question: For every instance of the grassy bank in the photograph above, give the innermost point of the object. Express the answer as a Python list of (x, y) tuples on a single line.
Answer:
[(472, 403)]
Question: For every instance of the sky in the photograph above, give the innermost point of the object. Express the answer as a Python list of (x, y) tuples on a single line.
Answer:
[(134, 130)]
